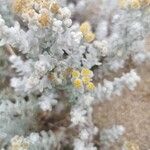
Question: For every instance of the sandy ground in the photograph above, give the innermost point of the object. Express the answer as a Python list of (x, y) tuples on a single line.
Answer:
[(132, 110)]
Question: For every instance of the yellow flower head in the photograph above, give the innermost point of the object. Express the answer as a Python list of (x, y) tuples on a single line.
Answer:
[(54, 8), (135, 4), (90, 86), (86, 80), (44, 20), (86, 72), (83, 79), (89, 37), (19, 5), (85, 27), (123, 3), (75, 74), (78, 83)]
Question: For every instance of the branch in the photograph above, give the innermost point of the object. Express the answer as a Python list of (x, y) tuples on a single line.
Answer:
[(9, 49)]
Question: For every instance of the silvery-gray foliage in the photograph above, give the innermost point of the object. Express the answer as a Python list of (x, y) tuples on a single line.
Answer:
[(37, 61)]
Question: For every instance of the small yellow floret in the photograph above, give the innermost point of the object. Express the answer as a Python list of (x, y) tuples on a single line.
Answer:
[(44, 20), (89, 37), (85, 27), (77, 83), (54, 8), (123, 3), (83, 79), (75, 74), (19, 5), (86, 80), (135, 4), (86, 72), (90, 86)]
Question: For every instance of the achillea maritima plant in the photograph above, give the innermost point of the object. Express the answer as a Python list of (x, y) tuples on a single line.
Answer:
[(57, 70)]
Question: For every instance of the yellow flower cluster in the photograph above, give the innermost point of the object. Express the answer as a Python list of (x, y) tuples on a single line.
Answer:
[(134, 4), (54, 8), (19, 6), (83, 78), (19, 143), (88, 35), (131, 146), (44, 20), (26, 6)]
